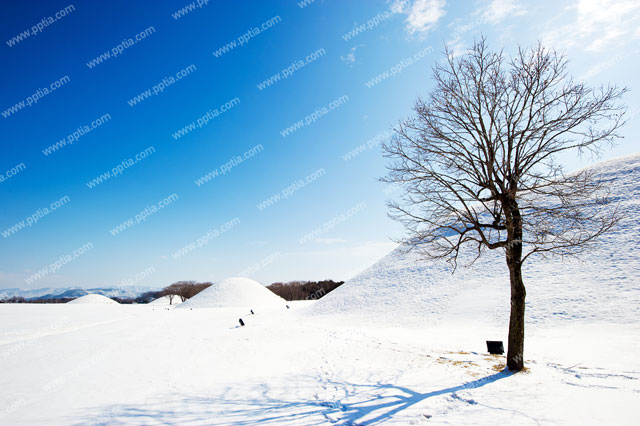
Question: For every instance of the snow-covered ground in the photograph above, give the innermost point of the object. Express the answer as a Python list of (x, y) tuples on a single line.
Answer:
[(139, 365), (403, 343)]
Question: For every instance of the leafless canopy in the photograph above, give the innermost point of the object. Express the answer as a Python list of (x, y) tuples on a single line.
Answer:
[(480, 155), (185, 289)]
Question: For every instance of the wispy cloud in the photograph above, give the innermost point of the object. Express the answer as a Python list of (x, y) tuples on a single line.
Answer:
[(597, 25), (607, 63), (488, 12), (350, 58), (422, 15), (496, 11)]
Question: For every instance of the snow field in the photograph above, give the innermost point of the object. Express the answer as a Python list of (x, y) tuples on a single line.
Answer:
[(198, 367), (403, 343)]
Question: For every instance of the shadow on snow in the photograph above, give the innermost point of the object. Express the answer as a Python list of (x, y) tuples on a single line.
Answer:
[(367, 405)]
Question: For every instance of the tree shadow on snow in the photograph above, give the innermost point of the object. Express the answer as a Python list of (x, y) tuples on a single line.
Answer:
[(361, 404)]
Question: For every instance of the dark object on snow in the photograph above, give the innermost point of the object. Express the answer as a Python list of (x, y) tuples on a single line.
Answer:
[(495, 347), (252, 313), (241, 322), (288, 307)]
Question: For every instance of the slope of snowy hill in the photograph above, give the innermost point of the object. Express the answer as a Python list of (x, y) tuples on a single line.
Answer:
[(600, 285), (234, 292), (93, 299)]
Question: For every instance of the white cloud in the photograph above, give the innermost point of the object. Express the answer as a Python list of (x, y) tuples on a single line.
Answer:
[(350, 58), (497, 11), (423, 15), (597, 25), (457, 47), (491, 12)]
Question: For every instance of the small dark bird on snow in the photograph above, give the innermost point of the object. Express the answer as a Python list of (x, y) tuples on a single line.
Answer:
[(288, 307), (241, 322), (252, 313)]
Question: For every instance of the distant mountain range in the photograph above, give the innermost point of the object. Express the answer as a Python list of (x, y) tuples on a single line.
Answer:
[(73, 292)]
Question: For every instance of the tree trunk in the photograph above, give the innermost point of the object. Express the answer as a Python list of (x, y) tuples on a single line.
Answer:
[(515, 351)]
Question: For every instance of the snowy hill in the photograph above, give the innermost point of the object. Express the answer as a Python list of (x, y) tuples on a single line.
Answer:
[(234, 292), (92, 299), (602, 285)]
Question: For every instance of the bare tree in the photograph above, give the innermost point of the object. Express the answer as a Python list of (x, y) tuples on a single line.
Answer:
[(185, 289), (477, 164)]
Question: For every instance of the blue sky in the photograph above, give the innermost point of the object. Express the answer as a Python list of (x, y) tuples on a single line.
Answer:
[(111, 108)]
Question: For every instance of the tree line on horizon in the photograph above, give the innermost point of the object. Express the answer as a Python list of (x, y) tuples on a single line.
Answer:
[(304, 290), (181, 291)]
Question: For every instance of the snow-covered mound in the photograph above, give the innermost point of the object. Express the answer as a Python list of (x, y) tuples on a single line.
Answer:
[(234, 292), (94, 299), (173, 299), (602, 285)]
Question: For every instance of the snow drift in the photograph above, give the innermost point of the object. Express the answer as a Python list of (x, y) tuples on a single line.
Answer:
[(601, 285), (234, 292), (94, 299)]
